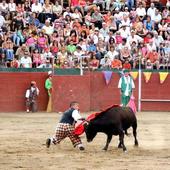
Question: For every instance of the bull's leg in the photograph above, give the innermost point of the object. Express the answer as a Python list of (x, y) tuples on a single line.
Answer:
[(109, 138), (120, 144), (121, 138), (135, 133)]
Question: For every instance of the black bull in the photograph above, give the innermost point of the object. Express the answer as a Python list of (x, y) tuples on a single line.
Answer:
[(113, 121)]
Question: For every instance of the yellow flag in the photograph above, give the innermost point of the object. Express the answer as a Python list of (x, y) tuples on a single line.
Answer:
[(147, 76), (162, 76), (134, 74)]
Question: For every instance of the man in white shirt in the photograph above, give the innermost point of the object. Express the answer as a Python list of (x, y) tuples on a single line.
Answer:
[(48, 28), (158, 39), (124, 31), (104, 30), (2, 20), (31, 97), (157, 17), (4, 6), (141, 11), (25, 61), (151, 11), (12, 6), (134, 38), (36, 7), (112, 53), (57, 9), (65, 127)]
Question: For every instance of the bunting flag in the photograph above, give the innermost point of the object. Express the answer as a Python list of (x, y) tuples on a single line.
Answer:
[(147, 76), (134, 74), (107, 76), (163, 76)]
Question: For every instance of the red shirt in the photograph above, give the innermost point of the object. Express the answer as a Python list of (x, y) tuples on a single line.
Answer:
[(74, 2), (127, 66)]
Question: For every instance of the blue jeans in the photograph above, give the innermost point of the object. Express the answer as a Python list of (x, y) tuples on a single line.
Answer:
[(16, 39), (9, 54), (130, 4)]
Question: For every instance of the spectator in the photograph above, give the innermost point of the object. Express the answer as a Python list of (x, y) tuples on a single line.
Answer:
[(2, 60), (71, 48), (48, 29), (36, 59), (4, 7), (112, 53), (57, 9), (149, 24), (153, 57), (36, 7), (2, 20), (25, 61), (12, 6), (151, 11), (97, 18), (105, 62), (93, 63), (116, 63), (141, 11), (45, 64)]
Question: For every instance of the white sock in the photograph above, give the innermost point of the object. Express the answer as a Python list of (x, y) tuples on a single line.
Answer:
[(80, 145)]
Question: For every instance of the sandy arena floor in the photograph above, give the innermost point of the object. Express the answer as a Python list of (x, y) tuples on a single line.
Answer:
[(23, 136)]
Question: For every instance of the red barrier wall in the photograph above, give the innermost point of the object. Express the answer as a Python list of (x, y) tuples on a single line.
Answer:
[(90, 90), (13, 87)]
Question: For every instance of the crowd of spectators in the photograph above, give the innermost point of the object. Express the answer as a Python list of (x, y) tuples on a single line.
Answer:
[(85, 33)]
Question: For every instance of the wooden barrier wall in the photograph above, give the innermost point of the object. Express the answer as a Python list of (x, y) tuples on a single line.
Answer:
[(90, 90)]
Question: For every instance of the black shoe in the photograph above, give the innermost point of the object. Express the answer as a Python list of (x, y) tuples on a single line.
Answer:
[(81, 148), (48, 142)]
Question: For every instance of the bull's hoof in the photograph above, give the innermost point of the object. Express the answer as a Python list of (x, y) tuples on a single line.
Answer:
[(120, 146), (136, 143), (124, 149), (105, 149)]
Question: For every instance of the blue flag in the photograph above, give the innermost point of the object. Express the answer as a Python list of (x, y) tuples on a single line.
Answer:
[(107, 76)]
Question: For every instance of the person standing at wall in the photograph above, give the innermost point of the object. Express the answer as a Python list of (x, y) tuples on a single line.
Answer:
[(48, 86), (31, 97), (126, 85)]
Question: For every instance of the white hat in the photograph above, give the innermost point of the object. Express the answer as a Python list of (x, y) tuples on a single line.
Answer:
[(96, 29), (49, 72)]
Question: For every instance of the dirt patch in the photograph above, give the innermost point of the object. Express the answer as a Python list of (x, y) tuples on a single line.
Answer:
[(23, 136)]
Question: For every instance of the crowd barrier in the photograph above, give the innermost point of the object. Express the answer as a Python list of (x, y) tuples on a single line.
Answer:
[(90, 89)]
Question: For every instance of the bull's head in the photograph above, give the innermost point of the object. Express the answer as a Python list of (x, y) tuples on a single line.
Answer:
[(90, 131)]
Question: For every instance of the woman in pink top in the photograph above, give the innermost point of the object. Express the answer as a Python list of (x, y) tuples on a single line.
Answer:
[(54, 48), (31, 42), (36, 59), (41, 42)]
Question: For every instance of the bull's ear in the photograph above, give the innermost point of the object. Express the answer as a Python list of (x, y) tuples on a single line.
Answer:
[(85, 125)]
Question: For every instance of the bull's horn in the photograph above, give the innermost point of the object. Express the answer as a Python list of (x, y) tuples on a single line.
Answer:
[(86, 123)]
